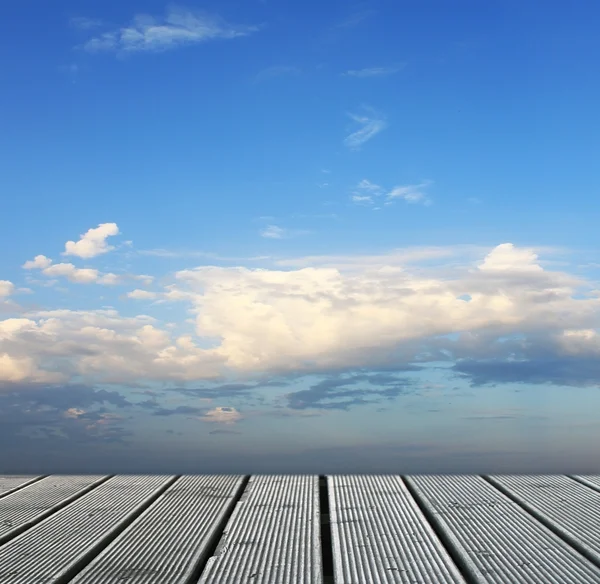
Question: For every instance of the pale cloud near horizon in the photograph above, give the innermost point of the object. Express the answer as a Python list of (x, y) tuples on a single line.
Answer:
[(179, 27), (222, 415), (371, 125)]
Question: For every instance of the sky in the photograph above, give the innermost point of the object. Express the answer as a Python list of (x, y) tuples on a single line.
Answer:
[(258, 236)]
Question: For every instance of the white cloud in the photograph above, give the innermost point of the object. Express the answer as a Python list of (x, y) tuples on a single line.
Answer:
[(506, 257), (83, 275), (373, 71), (335, 312), (39, 262), (110, 279), (6, 288), (55, 346), (179, 27), (370, 126), (73, 274), (141, 295), (281, 320), (93, 242)]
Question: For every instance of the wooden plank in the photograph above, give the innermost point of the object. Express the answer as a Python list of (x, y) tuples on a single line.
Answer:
[(379, 534), (493, 538), (27, 506), (171, 539), (273, 535), (62, 544)]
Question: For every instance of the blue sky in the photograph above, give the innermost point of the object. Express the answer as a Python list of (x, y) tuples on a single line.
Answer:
[(299, 236)]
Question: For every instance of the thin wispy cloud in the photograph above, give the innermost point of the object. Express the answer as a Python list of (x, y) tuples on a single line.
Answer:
[(368, 193), (190, 254), (370, 126), (411, 193), (275, 71), (373, 71), (179, 27), (85, 23), (354, 19), (276, 232), (345, 26)]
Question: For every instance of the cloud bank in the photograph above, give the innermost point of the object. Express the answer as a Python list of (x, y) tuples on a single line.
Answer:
[(371, 313)]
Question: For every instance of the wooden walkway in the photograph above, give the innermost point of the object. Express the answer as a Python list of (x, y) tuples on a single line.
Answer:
[(356, 529)]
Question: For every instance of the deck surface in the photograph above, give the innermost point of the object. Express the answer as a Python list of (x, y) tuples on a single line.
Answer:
[(350, 529)]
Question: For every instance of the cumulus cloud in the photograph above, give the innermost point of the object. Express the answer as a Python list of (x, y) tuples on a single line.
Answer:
[(93, 242), (370, 125), (55, 346), (38, 263), (334, 314), (69, 271), (315, 318), (179, 27), (66, 270)]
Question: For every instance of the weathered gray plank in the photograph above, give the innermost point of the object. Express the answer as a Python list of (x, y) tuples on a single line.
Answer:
[(566, 506), (495, 539), (63, 543), (168, 541), (27, 506), (379, 534), (11, 483), (273, 536)]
